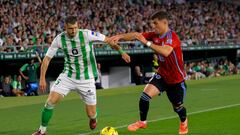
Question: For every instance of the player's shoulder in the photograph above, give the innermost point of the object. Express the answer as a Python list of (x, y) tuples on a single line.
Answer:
[(150, 33), (59, 35), (172, 34), (84, 30)]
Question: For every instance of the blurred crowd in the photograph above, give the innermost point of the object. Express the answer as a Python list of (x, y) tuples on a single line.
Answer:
[(11, 86), (16, 86), (32, 24), (25, 83), (213, 68)]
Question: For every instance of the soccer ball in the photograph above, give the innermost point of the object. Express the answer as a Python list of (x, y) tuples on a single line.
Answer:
[(108, 131)]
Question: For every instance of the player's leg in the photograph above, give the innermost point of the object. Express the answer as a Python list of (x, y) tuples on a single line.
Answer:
[(87, 91), (92, 115), (47, 111), (152, 89), (61, 88), (176, 94)]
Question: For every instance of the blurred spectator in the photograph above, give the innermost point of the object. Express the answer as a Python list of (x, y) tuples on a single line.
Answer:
[(31, 23), (98, 82), (31, 75), (17, 86), (238, 65), (5, 87), (198, 70), (155, 64), (138, 76)]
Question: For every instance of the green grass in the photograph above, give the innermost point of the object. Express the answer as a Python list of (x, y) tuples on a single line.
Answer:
[(119, 107)]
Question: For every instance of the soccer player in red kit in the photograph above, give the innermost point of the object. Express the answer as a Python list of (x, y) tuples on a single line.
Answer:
[(170, 76)]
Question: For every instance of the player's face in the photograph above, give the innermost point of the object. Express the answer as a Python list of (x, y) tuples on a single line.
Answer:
[(160, 26), (71, 29)]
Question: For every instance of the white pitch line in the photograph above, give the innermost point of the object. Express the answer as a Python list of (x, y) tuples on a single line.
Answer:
[(171, 117)]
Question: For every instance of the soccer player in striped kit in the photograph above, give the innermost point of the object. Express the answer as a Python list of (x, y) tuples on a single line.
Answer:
[(170, 76), (79, 73)]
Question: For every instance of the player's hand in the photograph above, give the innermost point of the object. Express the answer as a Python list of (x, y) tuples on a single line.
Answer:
[(126, 57), (42, 85), (141, 38), (26, 77)]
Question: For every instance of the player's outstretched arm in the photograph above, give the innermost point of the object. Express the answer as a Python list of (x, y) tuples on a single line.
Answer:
[(116, 47), (163, 50), (44, 67), (126, 37)]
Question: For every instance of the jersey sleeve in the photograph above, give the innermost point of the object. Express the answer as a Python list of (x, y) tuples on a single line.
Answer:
[(172, 40), (37, 64), (148, 35), (52, 50), (14, 85), (95, 36), (24, 67)]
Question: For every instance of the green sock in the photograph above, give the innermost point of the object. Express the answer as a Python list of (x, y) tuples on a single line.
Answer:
[(46, 116)]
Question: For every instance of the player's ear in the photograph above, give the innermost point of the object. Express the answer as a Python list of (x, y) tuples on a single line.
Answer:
[(165, 21)]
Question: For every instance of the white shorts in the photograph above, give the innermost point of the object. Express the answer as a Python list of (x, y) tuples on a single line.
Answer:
[(85, 88)]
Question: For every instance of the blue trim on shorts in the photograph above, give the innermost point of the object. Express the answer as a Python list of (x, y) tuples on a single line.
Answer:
[(184, 89)]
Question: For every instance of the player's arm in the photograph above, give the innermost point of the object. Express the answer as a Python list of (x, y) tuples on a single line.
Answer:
[(96, 36), (126, 37), (23, 68), (164, 50), (52, 50), (44, 67), (118, 48)]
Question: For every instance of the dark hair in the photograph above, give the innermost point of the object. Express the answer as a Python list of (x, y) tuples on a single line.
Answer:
[(71, 20), (160, 15)]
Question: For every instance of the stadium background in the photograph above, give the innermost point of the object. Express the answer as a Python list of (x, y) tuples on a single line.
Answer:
[(15, 50)]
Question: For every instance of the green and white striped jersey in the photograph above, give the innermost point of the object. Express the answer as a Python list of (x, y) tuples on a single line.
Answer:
[(80, 62)]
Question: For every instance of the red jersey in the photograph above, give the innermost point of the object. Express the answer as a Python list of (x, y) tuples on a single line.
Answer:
[(171, 68)]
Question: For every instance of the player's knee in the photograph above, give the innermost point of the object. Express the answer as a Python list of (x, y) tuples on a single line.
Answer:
[(92, 113), (178, 107), (54, 98), (145, 97), (49, 105)]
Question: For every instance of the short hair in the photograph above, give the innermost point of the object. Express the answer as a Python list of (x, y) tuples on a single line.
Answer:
[(71, 20), (160, 15)]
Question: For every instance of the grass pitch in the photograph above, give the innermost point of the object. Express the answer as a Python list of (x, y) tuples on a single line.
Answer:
[(213, 107)]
